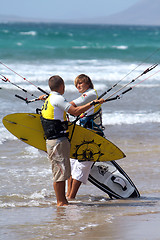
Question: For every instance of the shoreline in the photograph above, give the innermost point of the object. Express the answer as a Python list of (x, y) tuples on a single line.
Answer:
[(92, 215)]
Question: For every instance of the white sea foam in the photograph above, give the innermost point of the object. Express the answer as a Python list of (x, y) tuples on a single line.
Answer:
[(109, 218), (101, 72), (32, 152), (90, 225), (5, 135), (5, 31), (36, 199), (80, 47), (32, 33), (19, 44), (120, 47), (130, 118)]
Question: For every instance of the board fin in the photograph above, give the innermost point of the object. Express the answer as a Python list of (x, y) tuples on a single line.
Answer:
[(30, 115), (24, 139), (10, 121)]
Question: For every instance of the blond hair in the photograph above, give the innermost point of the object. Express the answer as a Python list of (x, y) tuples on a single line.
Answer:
[(83, 78)]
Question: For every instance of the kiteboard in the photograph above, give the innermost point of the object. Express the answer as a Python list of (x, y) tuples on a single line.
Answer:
[(112, 179), (86, 145)]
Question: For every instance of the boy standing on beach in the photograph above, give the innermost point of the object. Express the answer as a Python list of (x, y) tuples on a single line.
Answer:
[(55, 126), (80, 170)]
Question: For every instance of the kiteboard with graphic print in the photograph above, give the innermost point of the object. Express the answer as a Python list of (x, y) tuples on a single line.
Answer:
[(86, 145), (112, 179)]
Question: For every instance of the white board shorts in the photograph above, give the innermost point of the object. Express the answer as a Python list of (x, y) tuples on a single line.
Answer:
[(80, 170)]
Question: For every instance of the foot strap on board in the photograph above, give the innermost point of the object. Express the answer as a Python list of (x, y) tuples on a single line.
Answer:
[(119, 181)]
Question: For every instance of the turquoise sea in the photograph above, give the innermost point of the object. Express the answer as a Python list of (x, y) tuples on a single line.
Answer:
[(49, 42), (29, 55)]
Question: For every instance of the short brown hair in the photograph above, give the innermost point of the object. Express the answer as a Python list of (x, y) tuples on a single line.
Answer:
[(84, 78), (55, 82)]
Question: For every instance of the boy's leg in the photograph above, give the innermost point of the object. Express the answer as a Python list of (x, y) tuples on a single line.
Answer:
[(69, 186), (75, 186), (59, 188)]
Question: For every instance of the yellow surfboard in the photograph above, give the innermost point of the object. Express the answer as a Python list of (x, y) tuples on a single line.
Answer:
[(86, 145)]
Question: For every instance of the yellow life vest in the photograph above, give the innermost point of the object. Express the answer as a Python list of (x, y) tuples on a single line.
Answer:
[(50, 112), (96, 107), (53, 127)]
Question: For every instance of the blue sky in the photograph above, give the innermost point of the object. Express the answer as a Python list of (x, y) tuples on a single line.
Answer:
[(64, 9)]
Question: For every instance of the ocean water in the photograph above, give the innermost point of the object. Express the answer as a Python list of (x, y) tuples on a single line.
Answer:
[(29, 55)]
